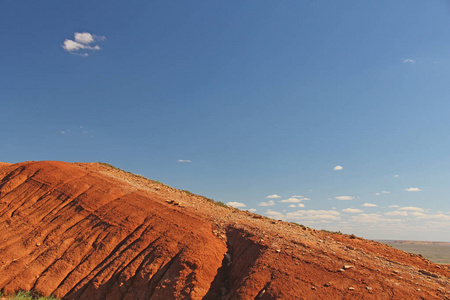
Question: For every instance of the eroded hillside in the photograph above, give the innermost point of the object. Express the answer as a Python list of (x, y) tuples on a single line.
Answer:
[(90, 231)]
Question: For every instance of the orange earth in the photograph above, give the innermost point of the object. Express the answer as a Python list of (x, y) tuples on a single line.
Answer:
[(90, 231)]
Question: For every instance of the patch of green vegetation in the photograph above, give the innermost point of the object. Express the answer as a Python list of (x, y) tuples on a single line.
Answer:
[(332, 232), (300, 225), (22, 295)]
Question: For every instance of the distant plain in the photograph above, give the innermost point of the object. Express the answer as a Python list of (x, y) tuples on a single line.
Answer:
[(437, 252)]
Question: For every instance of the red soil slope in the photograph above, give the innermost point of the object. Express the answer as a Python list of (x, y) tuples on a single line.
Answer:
[(89, 231)]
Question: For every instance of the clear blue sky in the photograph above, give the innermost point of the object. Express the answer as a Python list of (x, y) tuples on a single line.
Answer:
[(243, 100)]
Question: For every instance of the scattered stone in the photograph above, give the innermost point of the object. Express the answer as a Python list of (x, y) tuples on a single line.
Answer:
[(313, 287), (341, 270), (368, 288), (328, 284), (38, 244), (351, 288), (346, 267), (278, 250), (425, 272)]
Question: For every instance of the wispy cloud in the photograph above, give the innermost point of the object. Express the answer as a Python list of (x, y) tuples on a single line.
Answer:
[(413, 189), (396, 176), (295, 199), (396, 213), (268, 203), (252, 210), (344, 198), (236, 204), (274, 196), (412, 208), (382, 192), (409, 61), (352, 210), (297, 205), (369, 205), (82, 43), (338, 168), (184, 161), (310, 215)]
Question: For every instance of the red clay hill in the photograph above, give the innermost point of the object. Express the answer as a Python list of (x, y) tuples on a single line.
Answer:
[(90, 231)]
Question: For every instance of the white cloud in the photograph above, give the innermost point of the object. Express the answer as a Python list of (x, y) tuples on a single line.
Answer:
[(409, 60), (291, 200), (411, 208), (306, 215), (274, 196), (81, 43), (252, 210), (396, 213), (393, 206), (84, 37), (352, 210), (413, 189), (382, 192), (344, 198), (268, 203), (295, 199), (236, 204), (369, 205), (338, 168), (184, 160), (372, 218), (396, 176)]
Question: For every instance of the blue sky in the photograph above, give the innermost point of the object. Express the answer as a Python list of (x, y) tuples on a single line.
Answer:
[(246, 102)]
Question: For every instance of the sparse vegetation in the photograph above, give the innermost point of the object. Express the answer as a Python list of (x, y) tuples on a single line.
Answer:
[(22, 295), (332, 232)]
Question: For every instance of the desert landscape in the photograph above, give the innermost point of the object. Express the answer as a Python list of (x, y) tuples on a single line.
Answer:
[(92, 231)]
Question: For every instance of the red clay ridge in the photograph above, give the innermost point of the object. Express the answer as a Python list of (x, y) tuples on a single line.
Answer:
[(90, 231)]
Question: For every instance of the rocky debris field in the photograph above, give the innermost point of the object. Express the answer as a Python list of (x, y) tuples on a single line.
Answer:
[(91, 231)]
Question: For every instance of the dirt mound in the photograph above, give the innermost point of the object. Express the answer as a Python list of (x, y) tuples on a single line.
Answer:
[(90, 231)]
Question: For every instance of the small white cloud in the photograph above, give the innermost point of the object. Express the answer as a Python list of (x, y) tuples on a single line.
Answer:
[(385, 192), (396, 176), (393, 206), (84, 37), (413, 189), (409, 60), (344, 198), (274, 196), (297, 196), (369, 205), (81, 43), (236, 204), (377, 194), (63, 132), (268, 203), (338, 168), (252, 210), (352, 210), (184, 161), (291, 200), (412, 208)]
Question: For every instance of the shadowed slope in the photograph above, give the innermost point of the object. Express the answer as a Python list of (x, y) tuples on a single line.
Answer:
[(89, 231)]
